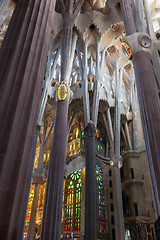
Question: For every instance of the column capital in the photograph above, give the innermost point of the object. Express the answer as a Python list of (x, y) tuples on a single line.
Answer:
[(139, 42), (116, 160), (90, 129), (36, 177)]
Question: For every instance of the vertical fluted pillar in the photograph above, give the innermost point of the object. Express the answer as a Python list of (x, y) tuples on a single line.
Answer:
[(23, 58), (149, 107), (90, 186), (150, 115), (51, 225), (134, 116), (119, 218), (139, 16), (127, 17)]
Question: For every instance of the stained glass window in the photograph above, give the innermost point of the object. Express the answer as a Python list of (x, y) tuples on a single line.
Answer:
[(97, 133), (70, 149), (101, 202), (76, 175), (98, 148), (74, 147), (44, 158), (36, 155), (29, 208), (40, 205), (72, 202), (76, 132), (101, 149), (79, 145)]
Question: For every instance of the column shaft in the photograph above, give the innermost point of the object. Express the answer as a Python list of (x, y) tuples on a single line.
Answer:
[(134, 117), (90, 186), (22, 58), (127, 17), (150, 115), (149, 108), (119, 219), (51, 226)]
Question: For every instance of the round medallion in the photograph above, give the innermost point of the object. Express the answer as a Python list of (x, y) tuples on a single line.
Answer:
[(62, 92), (111, 163), (119, 164), (114, 27), (126, 50), (145, 41)]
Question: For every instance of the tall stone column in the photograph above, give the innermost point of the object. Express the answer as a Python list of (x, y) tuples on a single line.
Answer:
[(139, 16), (150, 115), (53, 202), (51, 225), (155, 54), (119, 218), (149, 106), (134, 116), (23, 58), (90, 186)]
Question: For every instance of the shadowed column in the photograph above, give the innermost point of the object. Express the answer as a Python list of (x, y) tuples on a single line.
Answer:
[(22, 59), (90, 186)]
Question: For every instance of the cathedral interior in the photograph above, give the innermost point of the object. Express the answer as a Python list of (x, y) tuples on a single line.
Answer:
[(80, 119)]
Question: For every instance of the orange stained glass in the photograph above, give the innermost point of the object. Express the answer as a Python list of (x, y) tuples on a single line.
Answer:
[(29, 208), (48, 155), (44, 157), (36, 155), (40, 205)]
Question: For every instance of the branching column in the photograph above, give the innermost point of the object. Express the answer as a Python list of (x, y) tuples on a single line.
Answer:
[(23, 59), (90, 177), (149, 105), (51, 226)]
